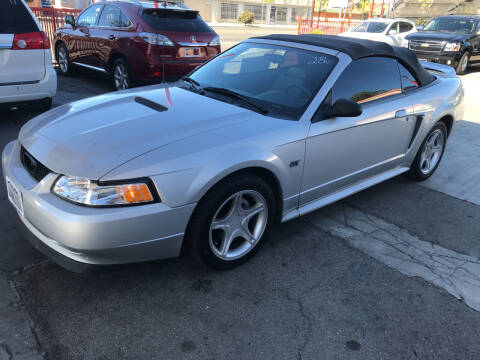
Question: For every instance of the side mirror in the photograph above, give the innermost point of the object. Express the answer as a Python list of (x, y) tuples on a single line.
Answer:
[(392, 32), (69, 19), (419, 27), (343, 108)]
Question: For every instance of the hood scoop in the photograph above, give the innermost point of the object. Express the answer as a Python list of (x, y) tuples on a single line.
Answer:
[(150, 104)]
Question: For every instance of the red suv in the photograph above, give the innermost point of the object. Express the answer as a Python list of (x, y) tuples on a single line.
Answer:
[(136, 40)]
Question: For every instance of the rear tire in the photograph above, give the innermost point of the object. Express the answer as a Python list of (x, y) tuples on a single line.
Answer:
[(462, 64), (121, 77), (429, 154), (63, 60), (231, 222)]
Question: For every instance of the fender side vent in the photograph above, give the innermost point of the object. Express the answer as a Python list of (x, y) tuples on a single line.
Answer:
[(151, 104), (418, 122)]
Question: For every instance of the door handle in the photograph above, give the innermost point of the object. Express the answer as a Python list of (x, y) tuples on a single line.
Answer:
[(112, 37), (401, 113)]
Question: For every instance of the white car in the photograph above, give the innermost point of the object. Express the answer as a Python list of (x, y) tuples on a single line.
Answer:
[(390, 31), (26, 71)]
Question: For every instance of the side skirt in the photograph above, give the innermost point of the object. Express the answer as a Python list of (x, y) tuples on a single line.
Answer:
[(343, 193), (90, 67)]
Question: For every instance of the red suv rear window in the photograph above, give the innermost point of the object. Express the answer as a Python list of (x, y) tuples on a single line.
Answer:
[(175, 20)]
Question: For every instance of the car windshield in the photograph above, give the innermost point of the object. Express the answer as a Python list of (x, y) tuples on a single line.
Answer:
[(175, 20), (461, 26), (371, 27), (280, 80)]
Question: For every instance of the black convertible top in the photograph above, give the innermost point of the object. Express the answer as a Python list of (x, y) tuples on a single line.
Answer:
[(360, 48)]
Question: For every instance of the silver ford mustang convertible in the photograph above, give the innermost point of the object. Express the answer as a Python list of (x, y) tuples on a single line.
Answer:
[(269, 130)]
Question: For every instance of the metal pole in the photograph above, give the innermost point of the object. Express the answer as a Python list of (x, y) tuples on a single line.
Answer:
[(371, 9), (313, 10)]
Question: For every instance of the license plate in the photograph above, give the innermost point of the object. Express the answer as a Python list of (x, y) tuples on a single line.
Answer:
[(14, 195), (192, 52)]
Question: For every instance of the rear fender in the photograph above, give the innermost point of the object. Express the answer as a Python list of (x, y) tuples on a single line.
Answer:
[(439, 69)]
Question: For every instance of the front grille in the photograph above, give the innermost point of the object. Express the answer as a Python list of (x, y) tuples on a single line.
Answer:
[(32, 165), (426, 46)]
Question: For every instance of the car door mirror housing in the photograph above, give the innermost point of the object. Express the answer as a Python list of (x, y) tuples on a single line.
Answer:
[(392, 32), (69, 19), (343, 108), (419, 27)]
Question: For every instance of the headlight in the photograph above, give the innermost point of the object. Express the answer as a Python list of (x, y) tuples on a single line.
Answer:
[(156, 39), (451, 46), (86, 192), (215, 41)]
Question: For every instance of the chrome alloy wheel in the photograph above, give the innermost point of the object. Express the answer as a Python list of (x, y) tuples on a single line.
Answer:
[(63, 59), (120, 76), (432, 152), (238, 224)]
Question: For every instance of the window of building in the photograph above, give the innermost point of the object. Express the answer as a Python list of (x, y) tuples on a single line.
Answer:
[(298, 13), (228, 11), (257, 10), (281, 15)]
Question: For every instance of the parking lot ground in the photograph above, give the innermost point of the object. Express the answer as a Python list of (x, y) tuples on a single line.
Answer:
[(316, 290)]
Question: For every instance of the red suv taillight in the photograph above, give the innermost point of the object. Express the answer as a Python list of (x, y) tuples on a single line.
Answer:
[(31, 41)]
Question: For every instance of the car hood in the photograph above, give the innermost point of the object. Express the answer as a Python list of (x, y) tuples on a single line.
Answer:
[(91, 137), (437, 36)]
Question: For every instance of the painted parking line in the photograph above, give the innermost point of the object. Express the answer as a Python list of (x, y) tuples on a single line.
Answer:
[(458, 274)]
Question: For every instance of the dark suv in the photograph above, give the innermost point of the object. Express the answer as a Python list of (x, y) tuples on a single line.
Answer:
[(136, 40), (452, 40)]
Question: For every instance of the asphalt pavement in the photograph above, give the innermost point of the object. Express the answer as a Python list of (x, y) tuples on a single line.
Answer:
[(316, 290)]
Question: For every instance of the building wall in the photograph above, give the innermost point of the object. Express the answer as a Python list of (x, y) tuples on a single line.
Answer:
[(204, 6), (272, 12), (73, 4), (430, 9)]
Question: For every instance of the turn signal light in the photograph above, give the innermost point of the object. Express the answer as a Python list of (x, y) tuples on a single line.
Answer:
[(136, 193)]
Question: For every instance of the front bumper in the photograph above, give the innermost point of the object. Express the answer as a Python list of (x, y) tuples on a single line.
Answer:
[(451, 59), (77, 236)]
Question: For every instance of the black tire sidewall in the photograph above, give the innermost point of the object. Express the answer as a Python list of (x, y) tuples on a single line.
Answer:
[(415, 173), (125, 64), (62, 45), (458, 70), (198, 242)]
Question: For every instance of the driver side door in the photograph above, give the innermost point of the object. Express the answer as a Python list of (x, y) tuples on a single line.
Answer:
[(82, 47), (343, 151)]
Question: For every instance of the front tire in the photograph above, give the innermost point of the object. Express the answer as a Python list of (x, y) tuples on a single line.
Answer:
[(462, 64), (121, 74), (430, 154), (231, 222), (63, 60)]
